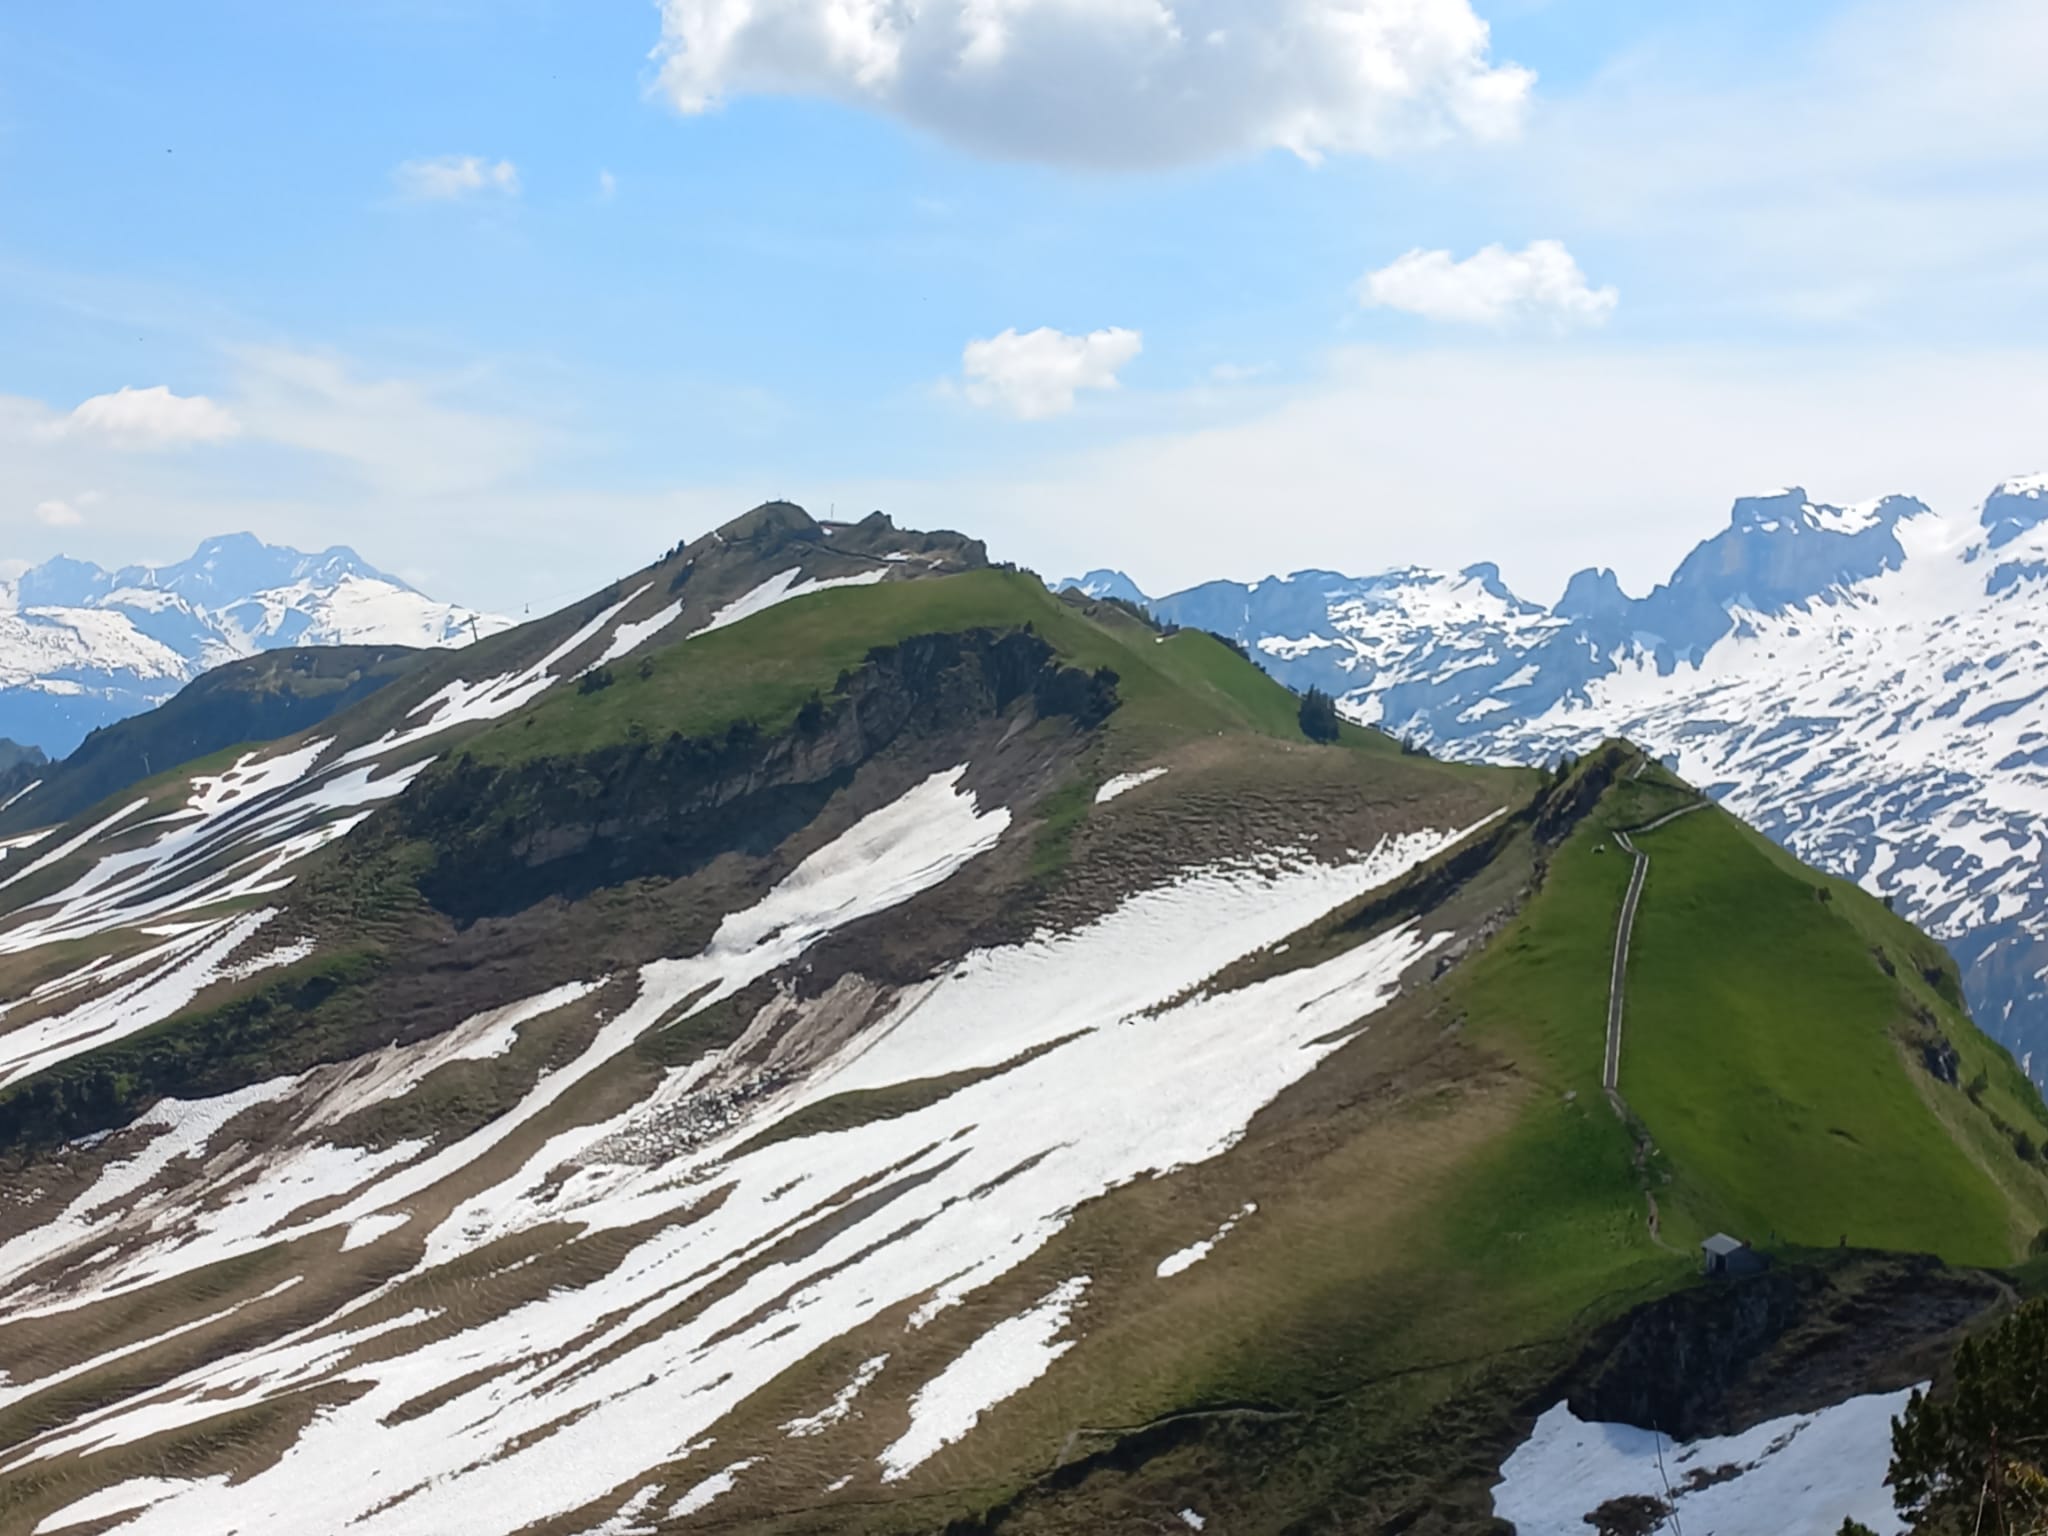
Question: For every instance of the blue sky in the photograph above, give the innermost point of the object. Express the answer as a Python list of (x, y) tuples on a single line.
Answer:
[(487, 291)]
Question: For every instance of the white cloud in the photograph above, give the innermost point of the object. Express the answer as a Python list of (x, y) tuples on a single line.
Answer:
[(146, 418), (1114, 83), (607, 186), (455, 176), (1495, 287), (58, 514), (1036, 374)]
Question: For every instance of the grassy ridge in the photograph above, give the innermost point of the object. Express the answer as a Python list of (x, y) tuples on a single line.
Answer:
[(765, 667), (1770, 1053), (1771, 1046)]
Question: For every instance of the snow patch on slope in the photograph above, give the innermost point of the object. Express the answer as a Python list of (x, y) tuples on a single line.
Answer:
[(1188, 1257), (568, 1399), (783, 587), (999, 1364), (1124, 783), (1808, 1472)]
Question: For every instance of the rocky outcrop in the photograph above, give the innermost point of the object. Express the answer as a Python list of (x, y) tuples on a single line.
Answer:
[(1720, 1358), (505, 837)]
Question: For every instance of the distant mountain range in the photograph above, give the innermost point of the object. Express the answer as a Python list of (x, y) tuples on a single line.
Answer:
[(82, 647), (1868, 684)]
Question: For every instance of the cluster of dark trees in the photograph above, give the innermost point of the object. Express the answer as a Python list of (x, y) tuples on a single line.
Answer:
[(1319, 718)]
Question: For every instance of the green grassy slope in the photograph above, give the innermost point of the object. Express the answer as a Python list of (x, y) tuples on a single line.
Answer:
[(1450, 1208), (1771, 1047), (1771, 1043), (764, 668)]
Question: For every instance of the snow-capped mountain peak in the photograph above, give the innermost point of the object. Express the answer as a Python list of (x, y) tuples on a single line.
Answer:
[(81, 646), (1860, 681)]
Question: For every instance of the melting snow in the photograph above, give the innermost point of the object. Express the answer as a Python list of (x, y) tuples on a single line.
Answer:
[(13, 1392), (783, 587), (713, 1487), (27, 789), (627, 1521), (836, 1410), (628, 638), (189, 965), (585, 1391), (999, 1364), (464, 702), (125, 1498), (1805, 1473), (182, 1129), (369, 1229), (1124, 783), (1194, 1253)]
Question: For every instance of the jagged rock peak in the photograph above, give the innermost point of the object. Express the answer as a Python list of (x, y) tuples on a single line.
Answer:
[(1487, 574), (1793, 512), (1593, 593), (2013, 507)]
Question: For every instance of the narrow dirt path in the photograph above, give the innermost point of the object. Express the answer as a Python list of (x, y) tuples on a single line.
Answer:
[(1617, 989), (1610, 1070), (1617, 986)]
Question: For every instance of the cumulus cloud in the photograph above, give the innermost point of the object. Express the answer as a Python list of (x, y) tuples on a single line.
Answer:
[(1496, 287), (147, 418), (455, 176), (1036, 374), (1114, 83)]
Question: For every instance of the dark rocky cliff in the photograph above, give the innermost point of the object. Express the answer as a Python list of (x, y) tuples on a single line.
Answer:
[(505, 837)]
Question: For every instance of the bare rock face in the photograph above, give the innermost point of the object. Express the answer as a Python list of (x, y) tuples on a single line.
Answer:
[(667, 807), (1722, 1358)]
